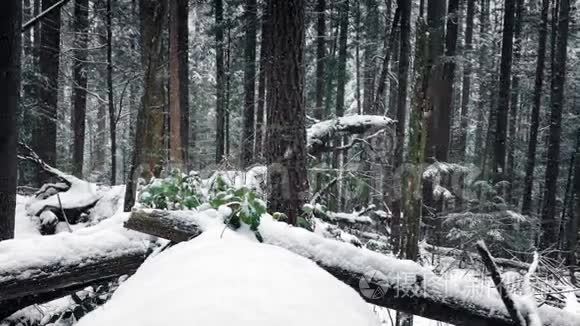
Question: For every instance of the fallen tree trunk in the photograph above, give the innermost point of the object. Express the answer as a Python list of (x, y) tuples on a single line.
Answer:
[(45, 268), (56, 281), (412, 290)]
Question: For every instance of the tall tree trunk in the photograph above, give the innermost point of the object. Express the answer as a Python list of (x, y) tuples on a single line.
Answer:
[(436, 21), (10, 24), (148, 149), (112, 116), (484, 83), (320, 57), (403, 77), (79, 97), (343, 11), (44, 137), (390, 36), (220, 80), (515, 97), (549, 222), (357, 20), (250, 19), (265, 50), (370, 52), (537, 102), (499, 165), (179, 83), (466, 90), (574, 214), (443, 102), (342, 56), (412, 203), (228, 92), (286, 145)]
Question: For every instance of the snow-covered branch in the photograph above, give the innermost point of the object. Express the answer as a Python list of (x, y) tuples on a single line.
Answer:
[(321, 134)]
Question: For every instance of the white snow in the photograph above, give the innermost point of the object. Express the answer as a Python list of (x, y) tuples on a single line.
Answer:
[(111, 203), (25, 226), (228, 279), (353, 217), (254, 178)]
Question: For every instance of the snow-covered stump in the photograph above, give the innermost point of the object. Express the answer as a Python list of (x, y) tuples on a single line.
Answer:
[(45, 268), (380, 280)]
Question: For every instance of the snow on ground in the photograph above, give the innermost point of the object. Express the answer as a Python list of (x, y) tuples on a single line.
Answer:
[(25, 226), (228, 279)]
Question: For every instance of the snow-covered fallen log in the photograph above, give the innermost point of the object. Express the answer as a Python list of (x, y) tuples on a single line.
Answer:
[(40, 269), (320, 135), (381, 280)]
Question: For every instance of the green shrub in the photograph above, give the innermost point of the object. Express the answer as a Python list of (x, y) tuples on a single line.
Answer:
[(246, 207), (177, 191)]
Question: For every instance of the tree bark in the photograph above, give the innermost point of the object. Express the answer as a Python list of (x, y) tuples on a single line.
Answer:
[(220, 80), (248, 138), (535, 116), (10, 38), (79, 97), (286, 132), (549, 222), (179, 83)]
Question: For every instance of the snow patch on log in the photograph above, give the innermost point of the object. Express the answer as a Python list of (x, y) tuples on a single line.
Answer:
[(80, 194), (26, 258), (223, 278)]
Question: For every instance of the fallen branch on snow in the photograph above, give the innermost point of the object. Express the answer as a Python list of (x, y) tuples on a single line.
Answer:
[(505, 295)]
